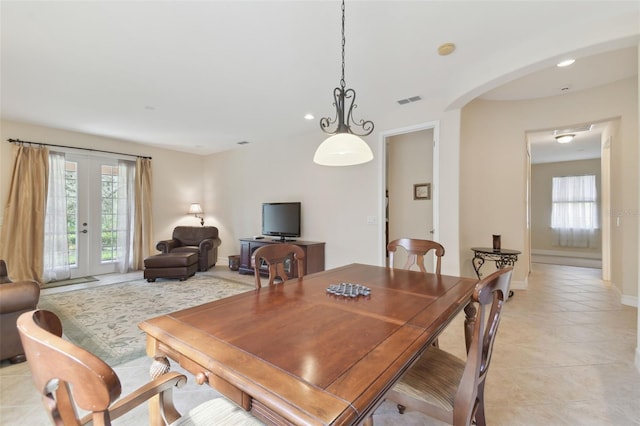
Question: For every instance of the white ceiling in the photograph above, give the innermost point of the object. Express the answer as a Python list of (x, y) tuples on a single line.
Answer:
[(201, 76)]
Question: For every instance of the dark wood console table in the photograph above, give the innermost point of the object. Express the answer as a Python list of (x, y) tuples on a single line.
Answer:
[(501, 257), (313, 254)]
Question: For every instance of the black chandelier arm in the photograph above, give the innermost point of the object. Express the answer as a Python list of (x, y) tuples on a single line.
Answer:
[(343, 119), (366, 126), (338, 103)]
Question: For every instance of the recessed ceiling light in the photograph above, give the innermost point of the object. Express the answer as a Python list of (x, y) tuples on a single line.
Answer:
[(309, 117), (566, 63), (446, 49), (565, 138)]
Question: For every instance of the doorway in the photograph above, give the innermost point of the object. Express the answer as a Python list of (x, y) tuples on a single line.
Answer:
[(92, 209), (550, 162), (409, 187)]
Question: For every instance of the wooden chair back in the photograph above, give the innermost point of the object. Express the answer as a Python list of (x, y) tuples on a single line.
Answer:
[(489, 295), (416, 250), (67, 376), (279, 258)]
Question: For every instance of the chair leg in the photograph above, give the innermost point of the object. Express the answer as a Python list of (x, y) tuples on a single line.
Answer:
[(480, 419), (18, 359), (401, 408)]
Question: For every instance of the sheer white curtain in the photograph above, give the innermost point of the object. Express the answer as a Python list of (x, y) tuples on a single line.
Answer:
[(574, 212), (56, 243), (126, 215)]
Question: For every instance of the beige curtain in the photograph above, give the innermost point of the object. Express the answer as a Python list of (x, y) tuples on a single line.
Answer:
[(22, 238), (143, 234)]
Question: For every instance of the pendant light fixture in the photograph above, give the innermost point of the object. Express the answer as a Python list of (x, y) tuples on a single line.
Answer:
[(345, 147)]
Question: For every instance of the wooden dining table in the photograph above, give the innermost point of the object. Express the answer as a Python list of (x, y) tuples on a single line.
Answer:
[(295, 354)]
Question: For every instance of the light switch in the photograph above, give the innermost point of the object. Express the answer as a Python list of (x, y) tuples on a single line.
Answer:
[(372, 220)]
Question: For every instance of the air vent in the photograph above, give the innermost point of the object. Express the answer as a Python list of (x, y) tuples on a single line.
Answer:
[(409, 100)]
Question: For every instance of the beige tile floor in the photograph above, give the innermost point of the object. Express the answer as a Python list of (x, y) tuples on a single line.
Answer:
[(563, 356)]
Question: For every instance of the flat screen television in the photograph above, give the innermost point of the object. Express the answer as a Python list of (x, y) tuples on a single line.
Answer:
[(281, 220)]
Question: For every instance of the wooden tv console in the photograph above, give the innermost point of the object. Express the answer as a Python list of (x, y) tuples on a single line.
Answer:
[(313, 254)]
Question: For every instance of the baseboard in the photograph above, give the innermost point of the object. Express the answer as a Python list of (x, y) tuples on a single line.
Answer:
[(519, 285), (569, 258), (629, 300)]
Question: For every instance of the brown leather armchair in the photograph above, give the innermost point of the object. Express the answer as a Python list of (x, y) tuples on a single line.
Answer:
[(15, 298), (202, 240)]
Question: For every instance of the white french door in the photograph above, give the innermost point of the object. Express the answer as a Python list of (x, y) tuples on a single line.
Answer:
[(91, 187)]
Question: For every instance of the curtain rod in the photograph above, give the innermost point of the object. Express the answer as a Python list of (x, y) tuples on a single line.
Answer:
[(75, 147)]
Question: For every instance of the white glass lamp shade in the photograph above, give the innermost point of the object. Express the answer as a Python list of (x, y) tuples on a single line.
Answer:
[(343, 149), (195, 208)]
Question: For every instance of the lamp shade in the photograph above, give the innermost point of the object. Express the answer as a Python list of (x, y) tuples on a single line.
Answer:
[(195, 208), (343, 149)]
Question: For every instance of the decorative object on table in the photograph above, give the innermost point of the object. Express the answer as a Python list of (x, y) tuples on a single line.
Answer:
[(344, 147), (421, 191), (349, 290), (196, 209), (496, 242)]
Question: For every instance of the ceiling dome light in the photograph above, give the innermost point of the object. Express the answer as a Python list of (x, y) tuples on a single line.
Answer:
[(565, 63), (565, 138), (344, 147)]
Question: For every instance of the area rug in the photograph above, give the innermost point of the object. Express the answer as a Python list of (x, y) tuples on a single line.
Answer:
[(104, 320)]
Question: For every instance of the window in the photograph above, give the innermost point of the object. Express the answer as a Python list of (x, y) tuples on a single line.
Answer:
[(574, 211)]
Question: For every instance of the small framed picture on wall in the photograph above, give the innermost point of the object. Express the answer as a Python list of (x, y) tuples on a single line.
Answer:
[(421, 191)]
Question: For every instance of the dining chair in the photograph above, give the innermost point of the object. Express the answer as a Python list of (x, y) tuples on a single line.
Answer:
[(70, 378), (445, 387), (416, 250), (284, 261)]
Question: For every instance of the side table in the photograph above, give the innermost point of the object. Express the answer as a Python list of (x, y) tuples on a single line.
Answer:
[(501, 257)]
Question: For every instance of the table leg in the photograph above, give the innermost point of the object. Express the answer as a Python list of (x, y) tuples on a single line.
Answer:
[(159, 366), (477, 263)]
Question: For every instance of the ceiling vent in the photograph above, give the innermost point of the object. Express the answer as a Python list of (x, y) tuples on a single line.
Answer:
[(409, 100)]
